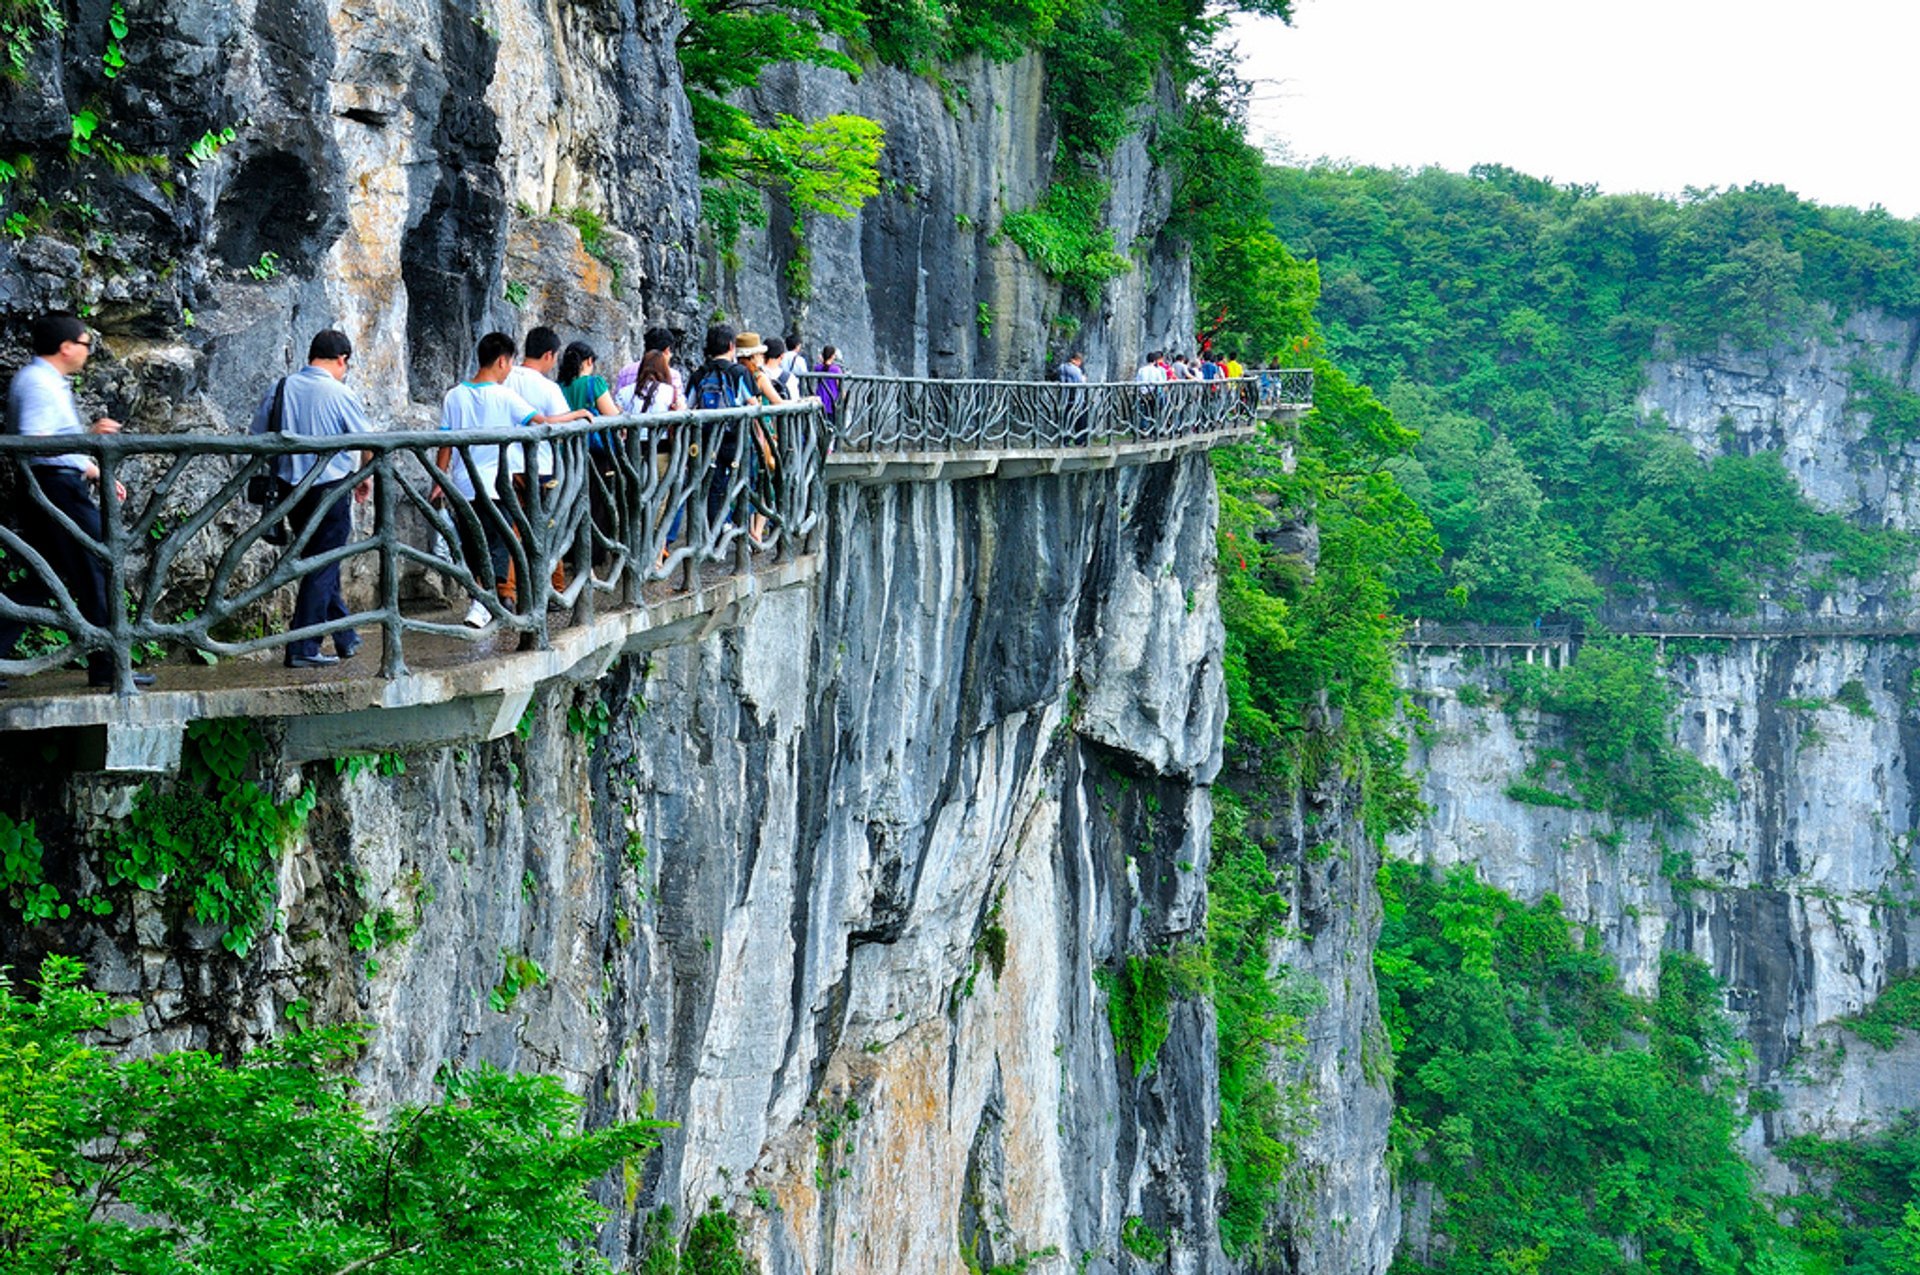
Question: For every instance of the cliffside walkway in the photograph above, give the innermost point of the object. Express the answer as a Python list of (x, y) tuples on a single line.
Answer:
[(1556, 642), (648, 529)]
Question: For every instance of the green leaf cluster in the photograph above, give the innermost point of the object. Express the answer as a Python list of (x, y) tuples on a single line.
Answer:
[(1895, 1011), (183, 1165), (1519, 316), (1066, 235), (1258, 1016), (213, 834), (1567, 1126), (1860, 1209), (1616, 706)]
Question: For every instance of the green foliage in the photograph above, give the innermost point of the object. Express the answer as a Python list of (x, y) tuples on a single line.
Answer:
[(1568, 1126), (1861, 1211), (1258, 1017), (829, 165), (1892, 410), (212, 834), (1142, 1240), (593, 238), (268, 267), (1139, 1008), (1518, 316), (590, 719), (23, 880), (23, 25), (1310, 654), (1852, 696), (1894, 1011), (182, 1165), (518, 972), (1066, 237), (1616, 706)]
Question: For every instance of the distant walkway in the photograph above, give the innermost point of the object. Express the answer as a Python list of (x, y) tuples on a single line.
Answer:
[(1427, 633)]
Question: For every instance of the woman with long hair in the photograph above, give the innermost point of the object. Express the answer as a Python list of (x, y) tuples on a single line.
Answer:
[(584, 390)]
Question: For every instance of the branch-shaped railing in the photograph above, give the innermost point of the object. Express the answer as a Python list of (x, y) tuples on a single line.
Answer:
[(631, 500), (902, 414)]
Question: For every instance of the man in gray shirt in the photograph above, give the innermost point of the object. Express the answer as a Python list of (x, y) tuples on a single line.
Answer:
[(40, 404), (316, 403)]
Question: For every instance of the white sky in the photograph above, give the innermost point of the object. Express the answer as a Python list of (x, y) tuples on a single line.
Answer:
[(1632, 95)]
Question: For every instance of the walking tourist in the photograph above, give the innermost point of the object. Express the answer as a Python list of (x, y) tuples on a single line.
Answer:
[(720, 382), (40, 403), (314, 402), (486, 402)]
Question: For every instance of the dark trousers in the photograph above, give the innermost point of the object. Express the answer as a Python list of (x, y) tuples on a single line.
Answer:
[(84, 574), (319, 599)]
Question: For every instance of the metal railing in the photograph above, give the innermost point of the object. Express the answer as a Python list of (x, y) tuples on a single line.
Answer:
[(1429, 633), (903, 414), (188, 561)]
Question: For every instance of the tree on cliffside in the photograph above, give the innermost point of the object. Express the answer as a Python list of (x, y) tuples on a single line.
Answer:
[(182, 1165)]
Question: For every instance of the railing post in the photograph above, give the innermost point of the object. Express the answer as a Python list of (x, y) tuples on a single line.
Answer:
[(115, 620), (386, 530)]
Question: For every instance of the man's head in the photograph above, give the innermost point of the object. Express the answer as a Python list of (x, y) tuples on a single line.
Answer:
[(543, 348), (330, 351), (1077, 358), (62, 340), (1153, 356), (719, 342), (776, 348), (495, 354), (658, 339)]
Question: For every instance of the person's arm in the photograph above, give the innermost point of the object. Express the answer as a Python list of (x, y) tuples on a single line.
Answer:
[(763, 384), (578, 414)]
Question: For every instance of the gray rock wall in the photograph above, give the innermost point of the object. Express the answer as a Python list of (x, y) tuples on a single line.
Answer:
[(1804, 899), (831, 890)]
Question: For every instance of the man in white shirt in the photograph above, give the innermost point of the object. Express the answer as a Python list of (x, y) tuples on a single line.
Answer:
[(533, 381), (485, 402), (315, 403), (40, 404)]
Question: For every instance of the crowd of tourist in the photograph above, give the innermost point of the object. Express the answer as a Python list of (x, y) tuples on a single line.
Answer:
[(539, 382), (544, 383)]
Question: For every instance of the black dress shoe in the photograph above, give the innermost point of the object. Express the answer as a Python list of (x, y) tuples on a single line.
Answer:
[(315, 660)]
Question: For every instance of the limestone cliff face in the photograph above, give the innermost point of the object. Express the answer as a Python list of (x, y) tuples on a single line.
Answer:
[(413, 172), (923, 282), (1797, 399), (832, 890), (1800, 894)]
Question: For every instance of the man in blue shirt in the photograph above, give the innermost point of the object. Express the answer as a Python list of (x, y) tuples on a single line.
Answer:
[(40, 404), (315, 403)]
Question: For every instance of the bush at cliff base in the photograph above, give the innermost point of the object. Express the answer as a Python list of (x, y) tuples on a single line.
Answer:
[(182, 1164)]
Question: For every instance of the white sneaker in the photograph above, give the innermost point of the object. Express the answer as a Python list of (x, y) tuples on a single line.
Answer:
[(477, 615)]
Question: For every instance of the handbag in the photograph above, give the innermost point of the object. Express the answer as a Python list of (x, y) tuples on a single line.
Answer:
[(267, 489)]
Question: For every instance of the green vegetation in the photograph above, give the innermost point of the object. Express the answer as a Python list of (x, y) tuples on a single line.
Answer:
[(829, 165), (1142, 1240), (1894, 1011), (1512, 319), (1258, 1018), (1852, 696), (1569, 1126), (23, 24), (213, 834), (1865, 1218), (180, 1163), (1066, 235), (1616, 706), (712, 1245)]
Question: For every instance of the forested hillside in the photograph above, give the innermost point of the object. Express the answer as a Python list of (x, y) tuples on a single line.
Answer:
[(1509, 321)]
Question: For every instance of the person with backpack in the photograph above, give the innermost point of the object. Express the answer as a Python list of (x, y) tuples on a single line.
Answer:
[(720, 383), (777, 368), (315, 403)]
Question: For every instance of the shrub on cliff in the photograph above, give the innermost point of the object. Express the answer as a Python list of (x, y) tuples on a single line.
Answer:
[(182, 1165)]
